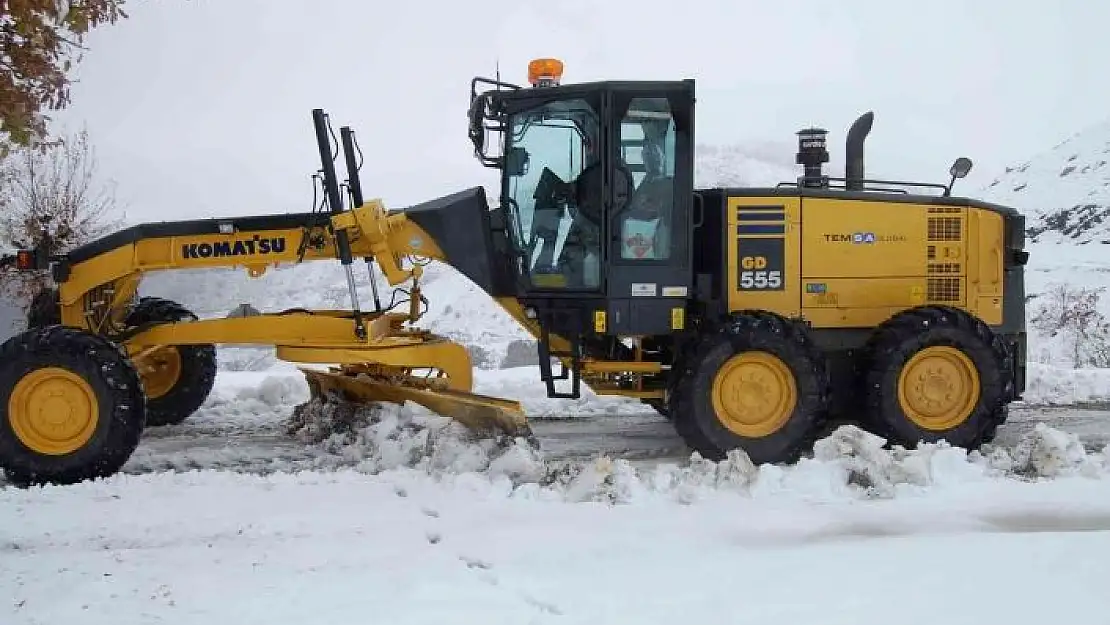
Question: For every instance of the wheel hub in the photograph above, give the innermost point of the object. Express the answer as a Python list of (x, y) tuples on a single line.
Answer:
[(53, 411), (753, 394), (938, 388), (160, 370)]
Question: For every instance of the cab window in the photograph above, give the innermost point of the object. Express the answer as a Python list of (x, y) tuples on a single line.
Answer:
[(647, 155), (553, 188)]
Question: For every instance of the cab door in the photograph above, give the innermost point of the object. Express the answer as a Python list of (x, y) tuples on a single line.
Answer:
[(650, 196)]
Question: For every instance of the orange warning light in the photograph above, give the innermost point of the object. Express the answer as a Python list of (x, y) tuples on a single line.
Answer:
[(545, 72)]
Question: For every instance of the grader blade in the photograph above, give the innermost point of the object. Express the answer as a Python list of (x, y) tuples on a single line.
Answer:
[(482, 414)]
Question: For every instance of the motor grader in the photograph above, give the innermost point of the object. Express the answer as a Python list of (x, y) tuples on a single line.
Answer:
[(751, 318)]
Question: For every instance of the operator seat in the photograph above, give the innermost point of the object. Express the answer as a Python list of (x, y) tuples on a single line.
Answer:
[(652, 201)]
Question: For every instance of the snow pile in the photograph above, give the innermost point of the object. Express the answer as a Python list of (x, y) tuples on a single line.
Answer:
[(1061, 386), (254, 401), (848, 463), (383, 437), (1048, 452)]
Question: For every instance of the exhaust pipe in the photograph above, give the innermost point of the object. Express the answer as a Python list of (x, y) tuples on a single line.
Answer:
[(853, 165)]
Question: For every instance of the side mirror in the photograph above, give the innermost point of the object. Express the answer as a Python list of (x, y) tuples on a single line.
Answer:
[(960, 168), (516, 161)]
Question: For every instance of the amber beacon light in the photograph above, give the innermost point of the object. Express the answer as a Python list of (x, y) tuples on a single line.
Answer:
[(545, 72)]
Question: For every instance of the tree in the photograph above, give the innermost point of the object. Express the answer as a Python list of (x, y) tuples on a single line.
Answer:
[(1071, 315), (37, 42), (51, 198)]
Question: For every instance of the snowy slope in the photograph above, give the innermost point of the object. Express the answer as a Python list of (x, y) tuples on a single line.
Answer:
[(1064, 191), (740, 166)]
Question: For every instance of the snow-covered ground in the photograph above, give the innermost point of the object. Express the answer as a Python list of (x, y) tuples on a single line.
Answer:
[(423, 526), (351, 548)]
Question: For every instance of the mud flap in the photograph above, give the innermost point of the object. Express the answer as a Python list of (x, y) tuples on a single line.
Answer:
[(485, 415)]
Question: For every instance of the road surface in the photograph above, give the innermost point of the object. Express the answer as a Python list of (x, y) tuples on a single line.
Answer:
[(642, 438)]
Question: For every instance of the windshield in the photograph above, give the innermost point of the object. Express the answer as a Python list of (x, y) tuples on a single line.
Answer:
[(553, 191)]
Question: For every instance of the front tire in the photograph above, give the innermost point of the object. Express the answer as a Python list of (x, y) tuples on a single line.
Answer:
[(935, 373), (758, 384), (44, 309), (71, 407), (177, 379)]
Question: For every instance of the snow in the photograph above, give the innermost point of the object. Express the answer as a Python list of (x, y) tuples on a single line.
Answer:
[(409, 544), (1059, 386), (741, 166), (1064, 191)]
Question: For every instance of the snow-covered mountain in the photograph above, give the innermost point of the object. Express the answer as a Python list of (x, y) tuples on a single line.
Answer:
[(1064, 191), (738, 165)]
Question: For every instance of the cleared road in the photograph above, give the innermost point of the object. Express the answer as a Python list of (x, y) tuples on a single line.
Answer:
[(643, 439)]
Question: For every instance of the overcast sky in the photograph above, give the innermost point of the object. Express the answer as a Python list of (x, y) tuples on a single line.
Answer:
[(202, 107)]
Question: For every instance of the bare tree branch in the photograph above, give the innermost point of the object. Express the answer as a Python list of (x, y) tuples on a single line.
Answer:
[(52, 199)]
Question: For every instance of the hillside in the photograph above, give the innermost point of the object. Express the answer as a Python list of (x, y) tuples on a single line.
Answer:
[(736, 165), (1064, 191), (1065, 194)]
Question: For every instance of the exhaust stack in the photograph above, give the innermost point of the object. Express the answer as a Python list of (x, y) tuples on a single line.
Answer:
[(853, 156)]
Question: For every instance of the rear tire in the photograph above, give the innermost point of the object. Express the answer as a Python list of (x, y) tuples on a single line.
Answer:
[(71, 407), (179, 378), (757, 383), (935, 373)]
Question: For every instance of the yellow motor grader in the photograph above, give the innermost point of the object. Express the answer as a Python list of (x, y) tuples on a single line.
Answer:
[(749, 317)]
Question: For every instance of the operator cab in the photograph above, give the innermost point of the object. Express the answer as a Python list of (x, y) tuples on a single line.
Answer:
[(596, 192)]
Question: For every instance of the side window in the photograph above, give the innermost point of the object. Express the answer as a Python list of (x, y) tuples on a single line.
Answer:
[(553, 195), (647, 148)]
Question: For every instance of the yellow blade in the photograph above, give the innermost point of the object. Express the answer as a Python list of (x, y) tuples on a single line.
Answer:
[(481, 413)]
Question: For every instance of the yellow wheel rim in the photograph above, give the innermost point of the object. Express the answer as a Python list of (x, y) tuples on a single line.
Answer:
[(160, 370), (754, 394), (53, 411), (938, 388)]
